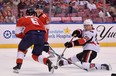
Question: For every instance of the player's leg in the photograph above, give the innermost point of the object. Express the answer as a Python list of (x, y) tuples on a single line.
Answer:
[(37, 51), (19, 61), (95, 66), (37, 56), (22, 50), (75, 58), (88, 56)]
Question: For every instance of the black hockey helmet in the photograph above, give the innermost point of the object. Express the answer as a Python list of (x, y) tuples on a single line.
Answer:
[(30, 11)]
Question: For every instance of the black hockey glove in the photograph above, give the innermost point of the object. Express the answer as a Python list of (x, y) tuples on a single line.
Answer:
[(46, 47), (68, 44), (77, 33)]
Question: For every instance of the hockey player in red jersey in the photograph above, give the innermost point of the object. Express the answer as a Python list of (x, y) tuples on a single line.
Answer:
[(31, 31), (88, 39), (45, 20)]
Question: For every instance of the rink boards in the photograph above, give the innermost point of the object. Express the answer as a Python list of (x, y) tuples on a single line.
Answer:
[(59, 34)]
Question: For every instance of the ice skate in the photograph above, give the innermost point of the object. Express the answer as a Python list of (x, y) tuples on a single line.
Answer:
[(50, 66), (17, 68), (60, 63), (106, 66)]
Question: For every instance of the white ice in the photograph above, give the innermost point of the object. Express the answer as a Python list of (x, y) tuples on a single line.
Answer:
[(32, 68)]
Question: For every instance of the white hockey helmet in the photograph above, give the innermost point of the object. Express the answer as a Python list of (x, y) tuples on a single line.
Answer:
[(88, 22)]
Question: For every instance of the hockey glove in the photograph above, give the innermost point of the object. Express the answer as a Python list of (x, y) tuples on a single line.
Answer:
[(69, 44), (77, 33), (78, 42), (46, 47)]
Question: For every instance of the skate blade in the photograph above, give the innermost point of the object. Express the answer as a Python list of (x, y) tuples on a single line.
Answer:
[(110, 67), (16, 71), (52, 70)]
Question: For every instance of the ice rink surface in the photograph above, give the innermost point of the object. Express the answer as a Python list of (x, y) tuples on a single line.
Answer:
[(32, 68)]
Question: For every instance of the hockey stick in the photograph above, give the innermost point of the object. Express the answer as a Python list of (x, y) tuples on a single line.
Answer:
[(66, 47), (66, 59), (59, 57)]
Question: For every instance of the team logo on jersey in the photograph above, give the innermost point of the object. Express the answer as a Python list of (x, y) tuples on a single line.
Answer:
[(7, 34)]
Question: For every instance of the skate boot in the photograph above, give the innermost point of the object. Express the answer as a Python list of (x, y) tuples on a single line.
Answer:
[(51, 55), (17, 68), (106, 66), (60, 63), (50, 66)]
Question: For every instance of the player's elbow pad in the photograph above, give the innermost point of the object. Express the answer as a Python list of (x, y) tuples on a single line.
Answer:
[(19, 35), (79, 42), (19, 30)]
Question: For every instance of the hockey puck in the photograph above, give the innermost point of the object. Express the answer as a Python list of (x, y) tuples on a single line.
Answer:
[(56, 67), (113, 74)]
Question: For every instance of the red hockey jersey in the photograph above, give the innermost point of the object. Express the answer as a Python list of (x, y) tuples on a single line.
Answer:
[(28, 23), (44, 18)]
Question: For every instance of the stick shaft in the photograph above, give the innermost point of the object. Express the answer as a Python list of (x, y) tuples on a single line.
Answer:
[(66, 47), (67, 59)]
